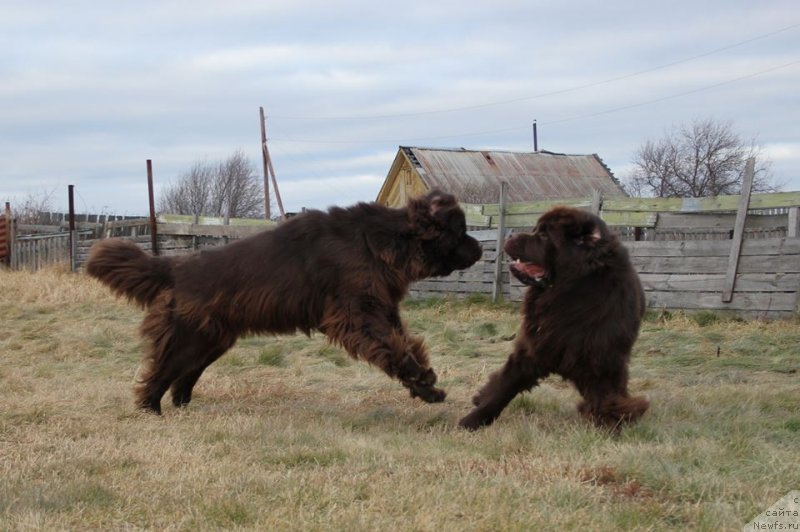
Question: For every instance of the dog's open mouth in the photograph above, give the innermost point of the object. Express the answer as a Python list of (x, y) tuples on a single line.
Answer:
[(528, 273)]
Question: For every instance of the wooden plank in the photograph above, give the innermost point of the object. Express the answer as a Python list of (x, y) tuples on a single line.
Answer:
[(738, 231), (716, 221), (523, 221), (218, 231), (712, 265), (210, 220), (707, 248), (484, 236), (623, 219), (629, 219), (484, 274), (597, 202), (474, 215), (754, 302), (536, 207), (471, 288), (793, 223), (746, 282), (712, 204)]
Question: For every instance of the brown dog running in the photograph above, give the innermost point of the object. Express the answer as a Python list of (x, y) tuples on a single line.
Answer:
[(581, 317), (341, 272)]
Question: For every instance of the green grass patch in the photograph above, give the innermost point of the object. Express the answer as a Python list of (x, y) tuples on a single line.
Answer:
[(272, 355)]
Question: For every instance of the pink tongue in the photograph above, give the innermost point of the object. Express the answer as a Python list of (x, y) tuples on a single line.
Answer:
[(531, 270)]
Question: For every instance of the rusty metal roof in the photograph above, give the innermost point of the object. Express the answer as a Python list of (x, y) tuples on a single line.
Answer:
[(530, 175)]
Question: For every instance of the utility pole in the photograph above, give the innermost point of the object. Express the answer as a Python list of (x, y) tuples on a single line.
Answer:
[(264, 162), (269, 171), (535, 137)]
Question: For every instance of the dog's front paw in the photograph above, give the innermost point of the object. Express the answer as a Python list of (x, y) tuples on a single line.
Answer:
[(429, 394), (475, 420)]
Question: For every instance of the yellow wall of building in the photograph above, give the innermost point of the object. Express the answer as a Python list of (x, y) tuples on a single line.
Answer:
[(405, 184)]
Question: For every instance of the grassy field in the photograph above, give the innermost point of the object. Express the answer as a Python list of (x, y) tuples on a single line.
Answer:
[(290, 434)]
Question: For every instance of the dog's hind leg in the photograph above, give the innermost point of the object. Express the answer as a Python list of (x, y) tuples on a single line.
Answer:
[(519, 373), (182, 387), (176, 349)]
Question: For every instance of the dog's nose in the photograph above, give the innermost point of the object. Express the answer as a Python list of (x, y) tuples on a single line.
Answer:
[(510, 243)]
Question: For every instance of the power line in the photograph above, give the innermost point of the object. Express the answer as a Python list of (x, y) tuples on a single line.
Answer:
[(550, 122), (544, 94), (676, 95)]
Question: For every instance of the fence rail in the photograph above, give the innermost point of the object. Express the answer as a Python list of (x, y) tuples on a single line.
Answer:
[(769, 215)]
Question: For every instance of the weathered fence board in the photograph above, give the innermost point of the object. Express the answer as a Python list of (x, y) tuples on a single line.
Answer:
[(766, 304), (715, 248), (35, 252), (661, 218), (749, 264), (746, 282), (686, 275)]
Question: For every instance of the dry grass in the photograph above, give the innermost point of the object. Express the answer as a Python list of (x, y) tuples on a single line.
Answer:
[(289, 434)]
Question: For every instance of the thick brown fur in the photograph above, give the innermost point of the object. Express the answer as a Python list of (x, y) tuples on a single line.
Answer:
[(581, 316), (342, 272)]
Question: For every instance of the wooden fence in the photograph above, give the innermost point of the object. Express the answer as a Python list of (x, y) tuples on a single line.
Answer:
[(676, 275), (31, 247), (33, 252), (753, 272), (175, 238), (734, 254)]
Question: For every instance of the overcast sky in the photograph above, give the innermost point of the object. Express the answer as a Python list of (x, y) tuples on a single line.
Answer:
[(90, 90)]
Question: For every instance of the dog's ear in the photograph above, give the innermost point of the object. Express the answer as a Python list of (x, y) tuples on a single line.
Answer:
[(439, 200), (428, 214), (590, 238)]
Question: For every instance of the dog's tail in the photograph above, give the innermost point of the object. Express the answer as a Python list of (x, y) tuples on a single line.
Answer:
[(128, 270)]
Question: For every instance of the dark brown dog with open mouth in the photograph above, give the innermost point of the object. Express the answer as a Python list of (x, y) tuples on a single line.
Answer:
[(582, 313), (342, 272)]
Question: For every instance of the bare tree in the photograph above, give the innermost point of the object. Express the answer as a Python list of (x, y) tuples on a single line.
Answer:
[(704, 158), (190, 195), (236, 187), (34, 208), (215, 189)]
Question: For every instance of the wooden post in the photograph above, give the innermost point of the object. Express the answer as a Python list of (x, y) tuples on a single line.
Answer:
[(793, 229), (153, 226), (268, 169), (195, 240), (597, 202), (9, 236), (738, 231), (226, 221), (264, 159), (274, 182), (73, 245), (497, 287)]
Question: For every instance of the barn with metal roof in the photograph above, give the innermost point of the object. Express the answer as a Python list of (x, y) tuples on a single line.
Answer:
[(474, 176)]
